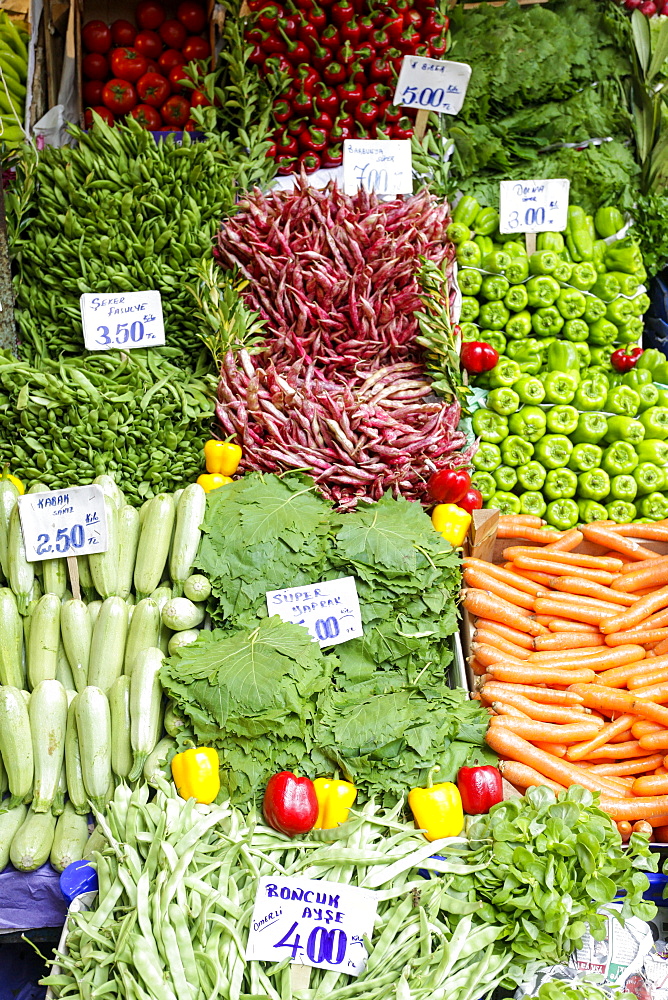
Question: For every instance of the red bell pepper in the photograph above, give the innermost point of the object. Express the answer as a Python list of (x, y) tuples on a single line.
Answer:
[(333, 155), (357, 74), (282, 111), (322, 121), (389, 113), (326, 99), (472, 500), (367, 113), (285, 165), (394, 25), (477, 357), (286, 145), (403, 129), (302, 103), (350, 94), (480, 788), (334, 73), (320, 57), (307, 78), (380, 70), (290, 804), (310, 162), (346, 54), (413, 17), (342, 129), (377, 92), (365, 53), (268, 17), (448, 485), (380, 40), (313, 140), (623, 360), (438, 45), (409, 40), (350, 31), (341, 12), (330, 37)]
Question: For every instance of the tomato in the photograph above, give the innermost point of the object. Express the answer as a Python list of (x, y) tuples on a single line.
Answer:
[(95, 66), (177, 74), (123, 33), (148, 117), (104, 113), (173, 34), (175, 111), (149, 44), (92, 92), (152, 67), (196, 48), (199, 100), (128, 64), (169, 59), (190, 126), (96, 36), (153, 89), (150, 14), (193, 16), (119, 96)]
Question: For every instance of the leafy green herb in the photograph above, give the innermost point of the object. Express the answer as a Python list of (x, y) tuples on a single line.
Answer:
[(582, 988)]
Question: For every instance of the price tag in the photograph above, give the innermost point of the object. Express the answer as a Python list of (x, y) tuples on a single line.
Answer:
[(432, 84), (317, 923), (122, 319), (534, 206), (384, 166), (69, 522), (330, 610)]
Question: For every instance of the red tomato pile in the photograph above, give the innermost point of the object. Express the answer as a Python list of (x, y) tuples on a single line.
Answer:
[(343, 59), (138, 70)]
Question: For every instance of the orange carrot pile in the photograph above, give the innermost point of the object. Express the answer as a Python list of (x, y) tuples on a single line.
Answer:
[(570, 650)]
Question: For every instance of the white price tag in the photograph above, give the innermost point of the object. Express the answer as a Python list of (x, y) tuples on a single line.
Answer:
[(329, 610), (122, 319), (432, 84), (384, 166), (68, 522), (317, 923), (534, 206)]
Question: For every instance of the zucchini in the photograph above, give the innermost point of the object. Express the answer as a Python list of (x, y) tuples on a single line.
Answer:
[(154, 543), (16, 744), (8, 497), (161, 595), (86, 578), (3, 783), (77, 629), (95, 843), (73, 775), (104, 565), (174, 722), (12, 670), (94, 731), (180, 614), (61, 791), (145, 706), (121, 748), (107, 647), (143, 511), (54, 576), (21, 573), (48, 721), (32, 842), (43, 640), (143, 632), (111, 490), (157, 765), (93, 612), (10, 822), (70, 839), (197, 588), (184, 638), (128, 540), (63, 670), (189, 518)]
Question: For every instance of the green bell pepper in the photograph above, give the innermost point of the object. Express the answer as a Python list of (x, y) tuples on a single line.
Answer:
[(619, 458), (614, 379), (532, 502), (486, 221), (655, 422), (663, 397), (621, 511), (585, 457), (517, 271), (619, 311), (468, 254), (484, 482), (584, 276), (550, 241), (527, 354), (543, 262), (470, 309), (518, 326), (649, 396), (637, 377), (591, 393), (562, 357), (608, 221), (624, 429), (503, 401), (547, 322), (553, 451), (600, 357), (531, 476), (579, 239), (641, 304), (495, 339), (529, 390), (562, 419), (591, 428), (505, 477), (494, 287), (598, 260), (649, 477), (624, 255), (504, 373), (485, 243), (516, 451), (560, 387), (622, 488), (602, 333), (470, 331), (654, 506), (660, 373), (458, 233), (576, 330), (515, 249), (571, 303), (560, 483), (563, 271), (653, 450), (506, 503), (582, 349), (542, 290), (488, 456), (594, 484), (623, 400), (606, 287), (517, 298), (489, 426), (496, 262), (628, 283), (493, 316), (650, 359), (594, 308), (631, 331), (562, 514), (469, 280), (466, 210), (591, 511)]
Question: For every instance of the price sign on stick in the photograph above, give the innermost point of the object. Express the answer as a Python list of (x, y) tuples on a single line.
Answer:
[(68, 522), (383, 166), (122, 320), (533, 206), (432, 84), (329, 610), (316, 923)]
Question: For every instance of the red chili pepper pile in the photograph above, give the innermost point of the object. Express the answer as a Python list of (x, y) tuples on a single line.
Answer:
[(342, 59)]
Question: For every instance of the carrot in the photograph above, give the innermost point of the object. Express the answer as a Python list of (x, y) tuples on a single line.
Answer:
[(654, 741), (611, 540), (476, 667), (570, 609), (641, 610), (642, 826), (596, 658), (546, 696), (655, 692), (491, 654), (604, 735), (642, 727), (661, 648), (556, 749), (621, 676), (619, 751), (481, 602), (660, 770), (572, 559), (650, 710), (545, 713), (653, 573), (504, 575), (567, 640), (523, 673), (510, 710), (540, 579), (657, 532), (563, 625), (579, 585), (486, 581), (624, 737), (525, 520), (539, 536), (642, 807), (569, 540), (506, 632), (498, 642), (625, 830), (656, 673), (524, 776), (651, 784), (660, 834), (547, 732), (597, 696), (638, 766), (538, 564), (645, 636)]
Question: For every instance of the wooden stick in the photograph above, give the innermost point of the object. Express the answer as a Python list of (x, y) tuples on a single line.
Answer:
[(421, 120), (73, 569)]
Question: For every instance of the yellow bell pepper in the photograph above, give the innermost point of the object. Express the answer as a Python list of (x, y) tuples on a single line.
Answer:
[(437, 809), (195, 774), (14, 480), (222, 457), (212, 481), (334, 801), (452, 522)]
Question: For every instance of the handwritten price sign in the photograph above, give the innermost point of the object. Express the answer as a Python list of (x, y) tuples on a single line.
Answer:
[(383, 166), (69, 522), (122, 320), (330, 610), (316, 923), (535, 206), (432, 84)]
